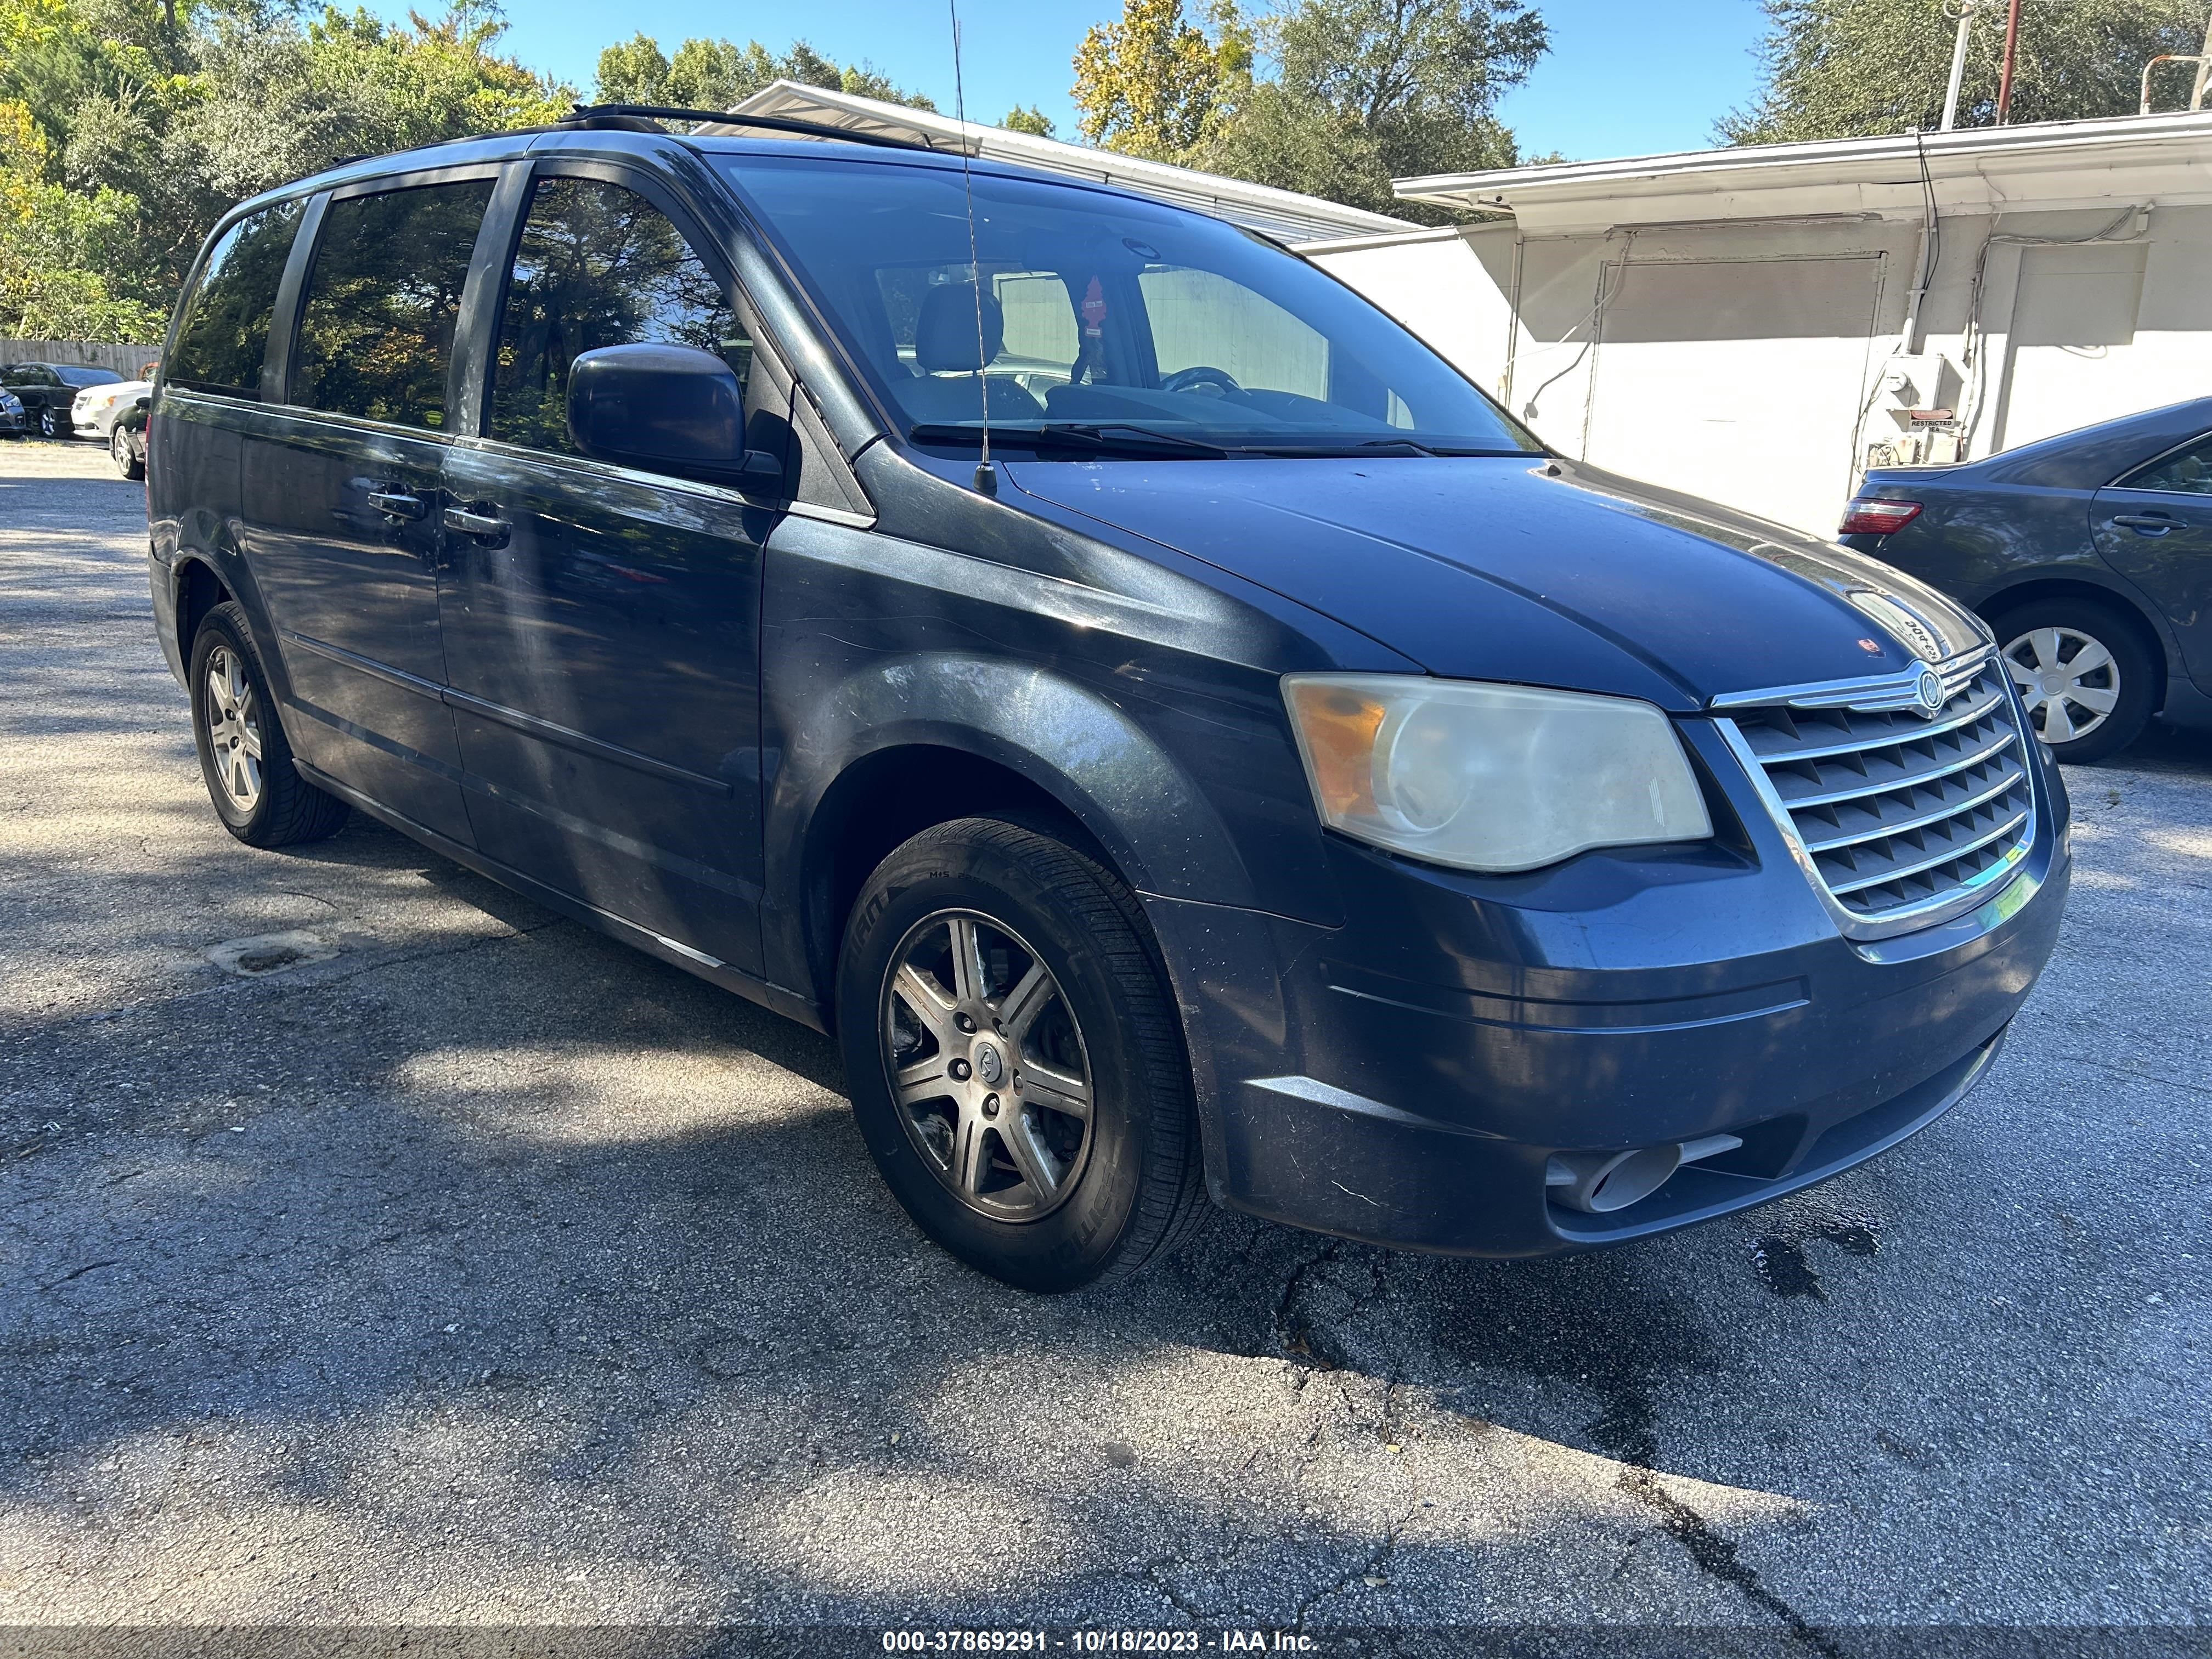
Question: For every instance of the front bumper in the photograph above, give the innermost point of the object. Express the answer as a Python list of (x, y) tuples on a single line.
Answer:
[(1405, 1080)]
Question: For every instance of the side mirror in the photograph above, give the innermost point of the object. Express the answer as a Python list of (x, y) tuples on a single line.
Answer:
[(668, 409)]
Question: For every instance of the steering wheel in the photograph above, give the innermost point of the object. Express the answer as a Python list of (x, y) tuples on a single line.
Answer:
[(1197, 376)]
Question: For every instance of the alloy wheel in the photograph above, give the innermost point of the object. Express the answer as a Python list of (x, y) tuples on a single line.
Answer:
[(2068, 680), (233, 728), (118, 446), (988, 1066)]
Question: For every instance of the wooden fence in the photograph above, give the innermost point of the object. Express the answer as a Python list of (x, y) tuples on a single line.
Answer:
[(124, 359)]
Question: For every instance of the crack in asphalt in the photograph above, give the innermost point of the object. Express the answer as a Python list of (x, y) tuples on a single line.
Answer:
[(1375, 1566), (1629, 1428)]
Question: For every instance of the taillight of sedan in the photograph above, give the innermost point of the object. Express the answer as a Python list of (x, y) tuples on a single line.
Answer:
[(1872, 517)]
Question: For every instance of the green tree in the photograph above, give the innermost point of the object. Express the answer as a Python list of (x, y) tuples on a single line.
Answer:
[(1838, 68), (1365, 91), (151, 117), (1331, 97), (1150, 84), (54, 246), (707, 74), (1031, 121), (632, 71)]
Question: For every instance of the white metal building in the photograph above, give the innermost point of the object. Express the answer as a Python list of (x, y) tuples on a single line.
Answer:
[(1750, 324)]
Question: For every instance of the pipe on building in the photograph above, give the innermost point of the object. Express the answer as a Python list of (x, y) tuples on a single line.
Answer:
[(2011, 50), (1958, 67), (2197, 94)]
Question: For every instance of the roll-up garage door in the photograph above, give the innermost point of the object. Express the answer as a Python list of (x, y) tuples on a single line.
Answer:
[(1737, 380)]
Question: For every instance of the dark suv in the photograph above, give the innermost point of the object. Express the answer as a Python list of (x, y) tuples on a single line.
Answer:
[(1253, 766)]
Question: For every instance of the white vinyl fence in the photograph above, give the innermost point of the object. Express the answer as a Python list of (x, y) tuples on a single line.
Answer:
[(124, 359)]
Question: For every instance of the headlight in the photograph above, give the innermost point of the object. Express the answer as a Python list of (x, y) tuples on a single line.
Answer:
[(1490, 777)]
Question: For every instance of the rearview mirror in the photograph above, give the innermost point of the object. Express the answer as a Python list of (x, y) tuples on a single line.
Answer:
[(668, 409)]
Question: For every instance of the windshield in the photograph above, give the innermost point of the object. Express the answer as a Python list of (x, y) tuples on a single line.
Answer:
[(87, 376), (1109, 324)]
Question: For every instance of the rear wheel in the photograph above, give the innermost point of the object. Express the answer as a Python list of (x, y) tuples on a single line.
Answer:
[(51, 424), (127, 461), (258, 792), (1014, 1058), (2084, 672)]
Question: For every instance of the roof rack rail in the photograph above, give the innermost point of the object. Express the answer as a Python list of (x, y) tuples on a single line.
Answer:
[(643, 118)]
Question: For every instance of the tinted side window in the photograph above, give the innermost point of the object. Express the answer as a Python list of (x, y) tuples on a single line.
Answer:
[(376, 328), (2186, 471), (597, 265), (225, 328)]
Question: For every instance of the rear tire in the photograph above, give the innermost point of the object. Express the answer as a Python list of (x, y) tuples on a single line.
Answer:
[(126, 457), (50, 424), (1032, 1112), (258, 792), (2085, 672)]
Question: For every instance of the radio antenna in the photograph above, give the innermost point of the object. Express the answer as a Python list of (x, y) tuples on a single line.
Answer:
[(987, 481)]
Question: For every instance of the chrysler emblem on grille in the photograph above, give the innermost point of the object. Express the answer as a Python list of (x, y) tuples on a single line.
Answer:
[(1928, 693)]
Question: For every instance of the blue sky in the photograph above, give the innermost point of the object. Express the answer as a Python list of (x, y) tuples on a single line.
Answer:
[(1625, 77)]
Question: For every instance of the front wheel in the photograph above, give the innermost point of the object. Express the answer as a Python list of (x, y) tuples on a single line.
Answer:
[(1014, 1057), (244, 756), (126, 457), (2084, 673), (51, 425)]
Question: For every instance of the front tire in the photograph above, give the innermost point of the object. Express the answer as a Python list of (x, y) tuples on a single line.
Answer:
[(50, 424), (1015, 1061), (258, 792), (2084, 672), (126, 457)]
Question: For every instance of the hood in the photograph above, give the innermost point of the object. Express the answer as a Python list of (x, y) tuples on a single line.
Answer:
[(1536, 572)]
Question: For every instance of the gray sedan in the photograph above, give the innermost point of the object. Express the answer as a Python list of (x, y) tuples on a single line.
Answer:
[(2089, 555)]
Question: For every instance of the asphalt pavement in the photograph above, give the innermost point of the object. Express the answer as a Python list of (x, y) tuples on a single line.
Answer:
[(376, 1249)]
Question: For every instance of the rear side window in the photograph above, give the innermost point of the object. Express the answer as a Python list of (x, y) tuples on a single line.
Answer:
[(597, 265), (2185, 472), (225, 330), (384, 293)]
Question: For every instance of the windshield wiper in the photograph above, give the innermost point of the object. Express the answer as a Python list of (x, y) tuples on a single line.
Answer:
[(1376, 446), (1102, 437)]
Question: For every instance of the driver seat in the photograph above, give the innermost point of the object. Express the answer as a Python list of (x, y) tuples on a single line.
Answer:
[(951, 387)]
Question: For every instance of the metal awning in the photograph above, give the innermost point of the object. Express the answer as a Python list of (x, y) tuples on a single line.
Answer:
[(1283, 213)]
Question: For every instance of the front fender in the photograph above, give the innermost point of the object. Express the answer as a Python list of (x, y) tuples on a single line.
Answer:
[(1146, 705), (1162, 832)]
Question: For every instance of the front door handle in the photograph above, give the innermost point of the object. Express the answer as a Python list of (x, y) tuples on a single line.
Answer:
[(398, 504), (2147, 524), (483, 527)]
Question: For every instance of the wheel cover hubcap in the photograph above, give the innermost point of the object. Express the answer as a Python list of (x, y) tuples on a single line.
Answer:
[(233, 729), (2069, 681), (988, 1066)]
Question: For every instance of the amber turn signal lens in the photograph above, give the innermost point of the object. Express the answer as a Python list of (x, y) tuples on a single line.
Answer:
[(1339, 724)]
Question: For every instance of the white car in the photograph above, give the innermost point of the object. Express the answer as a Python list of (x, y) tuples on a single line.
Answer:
[(97, 408)]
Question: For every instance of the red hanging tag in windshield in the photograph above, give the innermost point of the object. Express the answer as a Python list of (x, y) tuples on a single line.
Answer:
[(1094, 308)]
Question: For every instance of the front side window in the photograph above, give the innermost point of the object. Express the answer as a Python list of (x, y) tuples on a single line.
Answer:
[(2185, 472), (597, 265), (384, 293), (225, 330), (1090, 312)]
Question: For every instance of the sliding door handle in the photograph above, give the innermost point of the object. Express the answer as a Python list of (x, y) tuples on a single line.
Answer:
[(483, 527), (397, 503)]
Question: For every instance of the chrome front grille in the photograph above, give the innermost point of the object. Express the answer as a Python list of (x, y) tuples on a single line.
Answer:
[(1902, 818)]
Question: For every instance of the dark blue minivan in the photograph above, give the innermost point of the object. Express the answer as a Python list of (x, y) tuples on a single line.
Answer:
[(1183, 739)]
